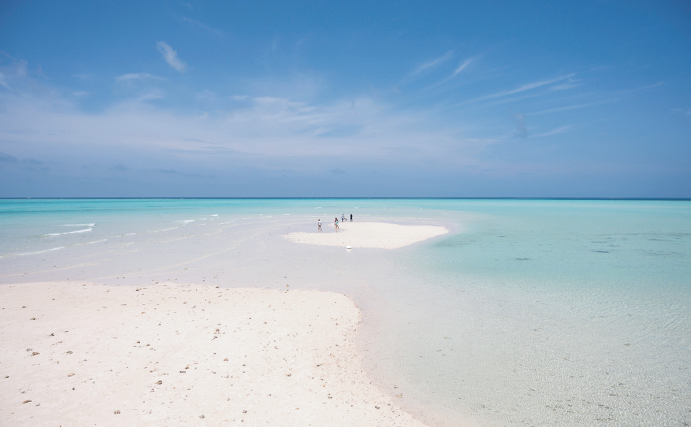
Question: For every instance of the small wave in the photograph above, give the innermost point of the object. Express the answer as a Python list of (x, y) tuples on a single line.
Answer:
[(186, 221), (97, 241), (42, 252), (79, 231), (168, 229), (78, 225), (214, 215), (69, 232), (129, 234), (287, 214)]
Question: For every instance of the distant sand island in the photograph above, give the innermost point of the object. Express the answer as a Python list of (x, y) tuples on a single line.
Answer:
[(369, 235)]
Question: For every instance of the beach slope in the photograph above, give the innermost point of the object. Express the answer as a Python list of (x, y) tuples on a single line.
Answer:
[(87, 354)]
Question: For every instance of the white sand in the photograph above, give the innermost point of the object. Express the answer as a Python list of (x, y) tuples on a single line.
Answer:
[(369, 235), (75, 354)]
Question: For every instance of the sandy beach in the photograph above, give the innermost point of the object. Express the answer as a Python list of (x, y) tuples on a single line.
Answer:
[(369, 235), (86, 354), (80, 353)]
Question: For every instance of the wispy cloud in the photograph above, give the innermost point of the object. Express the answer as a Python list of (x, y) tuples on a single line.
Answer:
[(171, 57), (83, 76), (681, 111), (565, 86), (553, 132), (272, 128), (136, 76), (11, 69), (197, 24), (462, 67), (433, 63), (6, 158), (521, 130), (154, 94), (572, 107), (640, 89), (525, 87), (206, 95), (458, 69)]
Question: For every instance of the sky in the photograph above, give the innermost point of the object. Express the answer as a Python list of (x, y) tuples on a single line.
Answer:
[(345, 99)]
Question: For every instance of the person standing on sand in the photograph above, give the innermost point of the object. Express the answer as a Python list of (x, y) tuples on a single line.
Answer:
[(343, 218), (336, 224), (319, 225), (351, 217)]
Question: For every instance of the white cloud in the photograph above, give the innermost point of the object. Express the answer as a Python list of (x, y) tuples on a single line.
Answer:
[(154, 94), (202, 26), (564, 86), (553, 132), (83, 76), (458, 69), (523, 88), (268, 128), (521, 130), (572, 107), (136, 76), (206, 95), (171, 57), (462, 67), (433, 63)]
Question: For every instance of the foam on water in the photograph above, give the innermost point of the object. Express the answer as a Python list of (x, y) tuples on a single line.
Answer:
[(86, 230), (42, 252)]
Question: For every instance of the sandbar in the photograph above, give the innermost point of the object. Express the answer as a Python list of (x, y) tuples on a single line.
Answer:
[(369, 235), (76, 353)]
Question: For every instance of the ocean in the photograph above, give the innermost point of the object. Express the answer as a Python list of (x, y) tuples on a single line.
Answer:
[(529, 312)]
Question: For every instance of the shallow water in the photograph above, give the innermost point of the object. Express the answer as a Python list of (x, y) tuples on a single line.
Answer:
[(531, 312)]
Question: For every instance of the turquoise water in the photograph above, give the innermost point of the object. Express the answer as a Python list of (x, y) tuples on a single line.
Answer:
[(530, 312)]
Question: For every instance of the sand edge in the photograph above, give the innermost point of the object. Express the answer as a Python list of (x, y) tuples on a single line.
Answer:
[(78, 353)]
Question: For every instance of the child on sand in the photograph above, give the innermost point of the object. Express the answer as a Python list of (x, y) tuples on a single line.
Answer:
[(336, 224), (319, 225)]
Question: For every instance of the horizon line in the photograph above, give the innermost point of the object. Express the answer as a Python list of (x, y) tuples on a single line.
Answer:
[(352, 198)]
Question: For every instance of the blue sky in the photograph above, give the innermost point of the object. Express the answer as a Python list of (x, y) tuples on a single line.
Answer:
[(335, 99)]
